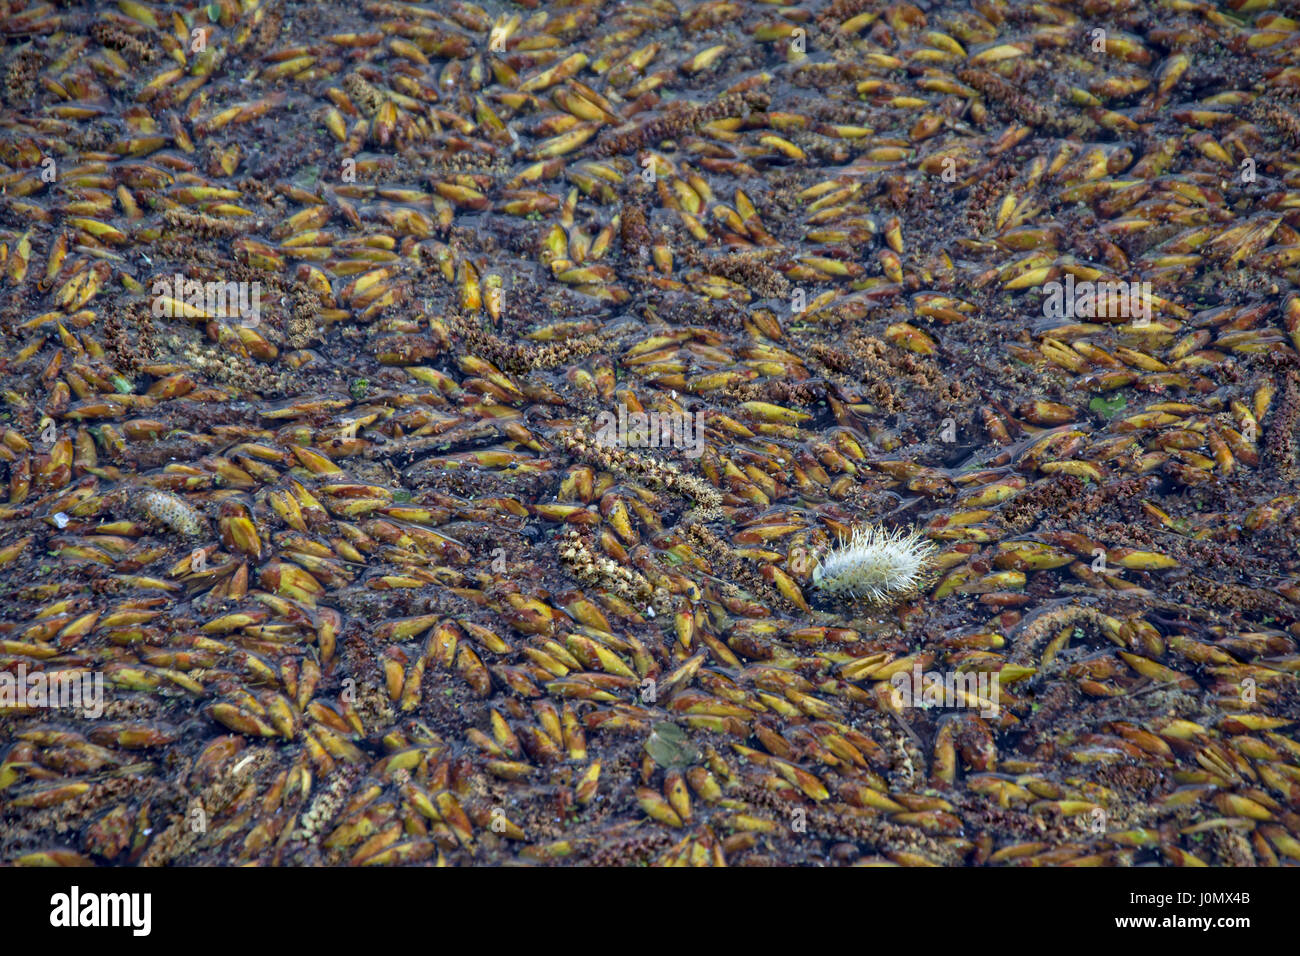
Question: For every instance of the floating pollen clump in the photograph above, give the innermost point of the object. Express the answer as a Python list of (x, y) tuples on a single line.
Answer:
[(877, 566)]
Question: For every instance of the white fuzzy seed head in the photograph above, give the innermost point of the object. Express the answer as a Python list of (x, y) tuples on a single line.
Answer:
[(876, 566)]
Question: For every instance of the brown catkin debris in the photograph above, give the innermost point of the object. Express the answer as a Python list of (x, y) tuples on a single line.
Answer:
[(1119, 490), (1281, 119), (871, 365), (954, 394), (596, 570), (303, 326), (749, 269), (519, 359), (1232, 848), (833, 358), (267, 31), (20, 74), (986, 193), (887, 362), (1280, 439), (204, 225), (130, 337), (721, 556), (634, 231), (1062, 497), (1233, 596), (880, 834), (1023, 106), (661, 475), (363, 92), (631, 850), (821, 75), (851, 114), (66, 817), (443, 161), (116, 38), (181, 836), (841, 10), (801, 394), (1030, 634), (680, 118), (1000, 92), (263, 191), (245, 375), (1057, 496), (325, 804)]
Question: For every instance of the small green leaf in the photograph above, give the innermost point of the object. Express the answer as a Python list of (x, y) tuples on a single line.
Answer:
[(1107, 408), (669, 746)]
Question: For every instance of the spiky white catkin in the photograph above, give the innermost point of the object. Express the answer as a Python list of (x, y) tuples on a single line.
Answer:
[(876, 565)]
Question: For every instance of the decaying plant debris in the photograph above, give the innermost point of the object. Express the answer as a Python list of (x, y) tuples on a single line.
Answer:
[(362, 585)]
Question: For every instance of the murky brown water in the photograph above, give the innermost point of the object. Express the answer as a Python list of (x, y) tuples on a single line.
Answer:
[(374, 571)]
